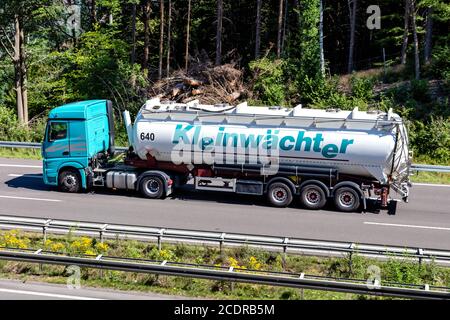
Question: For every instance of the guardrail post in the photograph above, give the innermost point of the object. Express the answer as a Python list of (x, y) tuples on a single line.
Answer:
[(102, 230), (350, 258), (420, 253), (98, 258), (285, 242), (44, 229), (44, 234), (231, 269), (40, 264), (160, 235), (302, 291), (222, 239)]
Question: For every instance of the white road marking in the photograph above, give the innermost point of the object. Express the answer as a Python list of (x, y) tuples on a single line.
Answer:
[(35, 199), (406, 226), (51, 295), (34, 176), (431, 185), (18, 165)]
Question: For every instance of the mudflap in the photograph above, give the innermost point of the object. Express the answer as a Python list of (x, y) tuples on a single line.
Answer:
[(392, 207)]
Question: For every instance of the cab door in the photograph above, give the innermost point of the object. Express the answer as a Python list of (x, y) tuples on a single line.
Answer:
[(57, 142)]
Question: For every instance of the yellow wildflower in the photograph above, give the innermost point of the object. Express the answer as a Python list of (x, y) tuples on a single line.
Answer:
[(102, 247), (254, 264)]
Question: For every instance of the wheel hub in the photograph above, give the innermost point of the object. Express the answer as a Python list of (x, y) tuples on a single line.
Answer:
[(279, 194), (347, 199), (152, 186), (69, 181), (312, 196)]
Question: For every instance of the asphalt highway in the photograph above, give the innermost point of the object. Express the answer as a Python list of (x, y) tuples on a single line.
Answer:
[(18, 290), (423, 222)]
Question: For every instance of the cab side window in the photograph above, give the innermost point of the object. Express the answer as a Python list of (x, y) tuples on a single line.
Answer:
[(57, 131)]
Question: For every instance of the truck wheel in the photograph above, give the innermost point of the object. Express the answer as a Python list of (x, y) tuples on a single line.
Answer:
[(152, 187), (69, 181), (346, 199), (313, 197), (279, 194)]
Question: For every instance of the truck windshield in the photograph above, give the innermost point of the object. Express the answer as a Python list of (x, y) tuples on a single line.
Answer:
[(57, 131)]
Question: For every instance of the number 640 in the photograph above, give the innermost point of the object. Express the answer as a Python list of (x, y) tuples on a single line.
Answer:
[(147, 136)]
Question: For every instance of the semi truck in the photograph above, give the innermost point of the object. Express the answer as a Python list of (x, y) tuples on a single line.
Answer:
[(314, 156)]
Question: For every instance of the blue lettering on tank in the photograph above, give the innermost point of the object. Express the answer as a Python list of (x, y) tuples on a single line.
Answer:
[(271, 140)]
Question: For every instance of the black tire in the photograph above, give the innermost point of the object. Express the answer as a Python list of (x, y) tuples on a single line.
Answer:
[(347, 199), (69, 181), (279, 194), (152, 187), (313, 197)]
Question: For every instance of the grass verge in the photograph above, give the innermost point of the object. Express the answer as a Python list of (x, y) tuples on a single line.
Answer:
[(20, 153), (431, 177), (346, 267)]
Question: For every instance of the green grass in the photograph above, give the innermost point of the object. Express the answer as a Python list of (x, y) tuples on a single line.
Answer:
[(356, 267), (20, 153), (431, 177)]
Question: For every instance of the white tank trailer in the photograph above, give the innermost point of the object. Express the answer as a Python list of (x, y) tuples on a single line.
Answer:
[(317, 155)]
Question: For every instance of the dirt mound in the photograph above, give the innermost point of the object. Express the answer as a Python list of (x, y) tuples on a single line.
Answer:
[(205, 82)]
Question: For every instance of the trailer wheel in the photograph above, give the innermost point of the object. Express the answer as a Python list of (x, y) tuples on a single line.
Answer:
[(346, 199), (279, 194), (313, 197), (69, 181), (152, 187)]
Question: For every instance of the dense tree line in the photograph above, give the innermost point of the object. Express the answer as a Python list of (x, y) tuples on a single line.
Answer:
[(57, 51)]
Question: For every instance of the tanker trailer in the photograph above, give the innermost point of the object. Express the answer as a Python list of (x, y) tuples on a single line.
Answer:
[(314, 156)]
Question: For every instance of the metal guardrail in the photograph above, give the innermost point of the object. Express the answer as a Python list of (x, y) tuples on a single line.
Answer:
[(35, 145), (270, 243), (17, 144), (430, 168), (293, 280)]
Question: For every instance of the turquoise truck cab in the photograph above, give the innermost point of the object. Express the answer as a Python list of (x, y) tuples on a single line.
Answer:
[(75, 135)]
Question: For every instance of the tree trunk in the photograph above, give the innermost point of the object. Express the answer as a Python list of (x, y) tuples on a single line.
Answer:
[(23, 74), (405, 32), (283, 39), (93, 12), (280, 26), (146, 16), (352, 4), (322, 56), (416, 40), (17, 70), (219, 32), (296, 5), (161, 38), (133, 34), (258, 29), (169, 18), (186, 56), (428, 35)]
